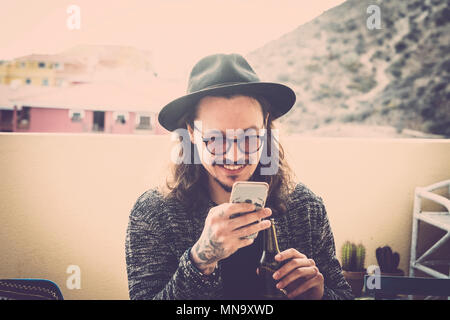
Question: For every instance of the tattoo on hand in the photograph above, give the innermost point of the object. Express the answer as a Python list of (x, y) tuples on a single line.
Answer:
[(209, 251)]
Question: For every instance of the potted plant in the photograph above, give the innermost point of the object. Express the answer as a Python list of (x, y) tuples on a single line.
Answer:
[(352, 259), (388, 262)]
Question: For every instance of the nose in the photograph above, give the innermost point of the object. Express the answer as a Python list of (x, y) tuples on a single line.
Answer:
[(234, 155)]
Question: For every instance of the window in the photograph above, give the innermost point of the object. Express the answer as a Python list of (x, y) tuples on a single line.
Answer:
[(143, 122), (120, 117), (45, 82), (23, 64), (76, 115), (41, 64), (58, 66), (23, 118), (28, 81)]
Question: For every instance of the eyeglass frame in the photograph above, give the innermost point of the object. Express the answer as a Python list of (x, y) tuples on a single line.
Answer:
[(228, 144)]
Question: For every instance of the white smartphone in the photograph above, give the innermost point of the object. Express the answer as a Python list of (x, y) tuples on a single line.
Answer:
[(249, 192)]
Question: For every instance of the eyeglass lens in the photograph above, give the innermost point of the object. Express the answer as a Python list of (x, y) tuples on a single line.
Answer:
[(219, 145)]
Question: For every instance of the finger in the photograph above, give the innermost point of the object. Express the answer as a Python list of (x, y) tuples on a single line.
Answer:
[(249, 218), (257, 271), (230, 209), (244, 242), (245, 219), (254, 228), (311, 283), (288, 254), (305, 272), (291, 265)]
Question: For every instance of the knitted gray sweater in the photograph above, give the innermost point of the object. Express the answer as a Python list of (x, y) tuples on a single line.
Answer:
[(160, 234)]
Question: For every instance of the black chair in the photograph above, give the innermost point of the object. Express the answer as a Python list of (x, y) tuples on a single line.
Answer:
[(29, 289), (390, 287)]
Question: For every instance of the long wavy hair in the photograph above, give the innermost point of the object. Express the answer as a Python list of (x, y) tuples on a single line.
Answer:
[(188, 182)]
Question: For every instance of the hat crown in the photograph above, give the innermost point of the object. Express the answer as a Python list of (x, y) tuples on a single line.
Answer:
[(220, 69), (224, 74)]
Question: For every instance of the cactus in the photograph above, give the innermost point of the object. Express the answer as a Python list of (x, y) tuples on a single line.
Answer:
[(352, 257), (387, 260), (346, 256), (360, 256)]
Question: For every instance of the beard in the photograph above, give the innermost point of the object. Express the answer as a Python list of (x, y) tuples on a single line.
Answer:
[(228, 189), (222, 185)]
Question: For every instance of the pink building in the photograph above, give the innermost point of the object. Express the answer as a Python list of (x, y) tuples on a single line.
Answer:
[(107, 108)]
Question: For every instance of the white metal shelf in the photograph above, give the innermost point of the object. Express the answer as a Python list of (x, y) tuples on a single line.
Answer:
[(440, 220)]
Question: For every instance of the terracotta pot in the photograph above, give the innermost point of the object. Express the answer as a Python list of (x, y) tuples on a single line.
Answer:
[(355, 280)]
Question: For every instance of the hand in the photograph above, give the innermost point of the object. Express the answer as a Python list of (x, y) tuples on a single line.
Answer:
[(222, 236), (299, 276)]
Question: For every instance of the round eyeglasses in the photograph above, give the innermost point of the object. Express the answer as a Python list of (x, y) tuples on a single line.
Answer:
[(218, 144)]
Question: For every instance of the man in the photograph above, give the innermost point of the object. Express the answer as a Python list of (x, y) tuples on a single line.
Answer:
[(182, 244)]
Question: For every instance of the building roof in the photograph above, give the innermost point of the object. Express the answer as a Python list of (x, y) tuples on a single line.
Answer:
[(141, 97), (49, 58)]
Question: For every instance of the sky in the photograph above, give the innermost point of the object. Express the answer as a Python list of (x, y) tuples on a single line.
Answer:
[(177, 32)]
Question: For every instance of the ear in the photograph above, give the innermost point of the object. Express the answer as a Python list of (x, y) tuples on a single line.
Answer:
[(266, 119), (191, 132)]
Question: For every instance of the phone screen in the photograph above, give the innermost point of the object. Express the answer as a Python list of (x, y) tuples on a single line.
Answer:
[(249, 192)]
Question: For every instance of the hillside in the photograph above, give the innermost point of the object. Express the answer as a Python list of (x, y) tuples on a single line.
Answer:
[(344, 73)]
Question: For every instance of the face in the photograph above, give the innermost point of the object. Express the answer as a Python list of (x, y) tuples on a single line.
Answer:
[(216, 115)]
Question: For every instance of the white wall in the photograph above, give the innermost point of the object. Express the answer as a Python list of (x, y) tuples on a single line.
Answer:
[(65, 198)]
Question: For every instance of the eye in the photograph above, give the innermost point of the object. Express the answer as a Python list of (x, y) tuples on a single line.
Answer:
[(213, 138), (213, 142)]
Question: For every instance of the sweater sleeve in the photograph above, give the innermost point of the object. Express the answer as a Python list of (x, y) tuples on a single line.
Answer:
[(335, 286), (153, 271)]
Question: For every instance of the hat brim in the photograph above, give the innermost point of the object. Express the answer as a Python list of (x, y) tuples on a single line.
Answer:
[(281, 98)]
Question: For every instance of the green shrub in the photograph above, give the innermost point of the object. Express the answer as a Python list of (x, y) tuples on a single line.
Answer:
[(400, 46), (283, 77), (313, 67), (362, 84), (352, 66)]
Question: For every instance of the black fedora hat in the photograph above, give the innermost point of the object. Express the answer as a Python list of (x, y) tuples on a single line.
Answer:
[(225, 74)]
